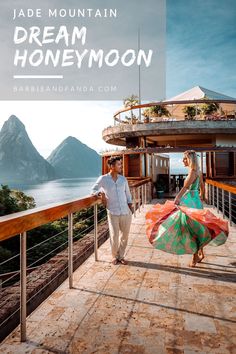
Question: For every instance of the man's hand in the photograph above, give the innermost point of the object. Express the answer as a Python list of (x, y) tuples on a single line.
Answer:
[(102, 197), (131, 208)]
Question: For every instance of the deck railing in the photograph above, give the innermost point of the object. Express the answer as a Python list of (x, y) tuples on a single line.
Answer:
[(121, 120), (222, 197), (22, 222)]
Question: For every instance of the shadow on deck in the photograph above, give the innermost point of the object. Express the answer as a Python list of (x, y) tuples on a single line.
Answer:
[(156, 304)]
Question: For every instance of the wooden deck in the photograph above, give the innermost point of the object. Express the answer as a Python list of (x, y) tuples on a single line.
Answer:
[(156, 304)]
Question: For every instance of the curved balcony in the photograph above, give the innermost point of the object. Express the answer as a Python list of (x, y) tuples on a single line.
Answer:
[(225, 109), (201, 122), (169, 129)]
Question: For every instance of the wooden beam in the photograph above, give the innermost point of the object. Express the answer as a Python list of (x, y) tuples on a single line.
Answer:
[(170, 150)]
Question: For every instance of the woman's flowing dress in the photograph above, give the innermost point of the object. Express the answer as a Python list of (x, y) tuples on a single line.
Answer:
[(186, 227)]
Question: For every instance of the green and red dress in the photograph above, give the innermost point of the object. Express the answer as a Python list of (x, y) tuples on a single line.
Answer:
[(186, 227)]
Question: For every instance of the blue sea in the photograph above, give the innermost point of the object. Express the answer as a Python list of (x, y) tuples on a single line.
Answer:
[(56, 191), (64, 189)]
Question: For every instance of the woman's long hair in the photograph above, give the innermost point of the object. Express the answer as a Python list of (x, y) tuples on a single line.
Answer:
[(193, 160)]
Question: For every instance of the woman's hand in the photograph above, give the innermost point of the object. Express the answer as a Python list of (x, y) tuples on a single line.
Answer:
[(177, 200)]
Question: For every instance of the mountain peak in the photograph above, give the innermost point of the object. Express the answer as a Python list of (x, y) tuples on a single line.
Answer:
[(13, 124), (19, 159), (73, 159), (71, 139)]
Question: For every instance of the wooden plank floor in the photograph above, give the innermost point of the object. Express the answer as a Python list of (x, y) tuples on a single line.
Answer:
[(156, 304)]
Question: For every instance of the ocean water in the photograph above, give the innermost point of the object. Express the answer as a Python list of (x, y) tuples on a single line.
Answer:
[(64, 189), (56, 191)]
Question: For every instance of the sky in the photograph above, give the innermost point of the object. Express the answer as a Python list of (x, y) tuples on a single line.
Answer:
[(200, 50), (201, 45)]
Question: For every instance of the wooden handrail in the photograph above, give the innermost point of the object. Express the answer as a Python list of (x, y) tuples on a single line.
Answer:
[(137, 178), (134, 184), (165, 103), (16, 223), (221, 185)]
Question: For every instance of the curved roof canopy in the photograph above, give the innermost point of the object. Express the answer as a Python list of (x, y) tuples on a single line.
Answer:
[(199, 92)]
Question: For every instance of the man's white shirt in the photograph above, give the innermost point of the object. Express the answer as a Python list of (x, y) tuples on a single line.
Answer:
[(117, 193)]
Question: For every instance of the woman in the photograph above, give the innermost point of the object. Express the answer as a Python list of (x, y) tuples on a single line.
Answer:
[(183, 226)]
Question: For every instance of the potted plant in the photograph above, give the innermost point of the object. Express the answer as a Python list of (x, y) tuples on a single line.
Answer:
[(146, 114), (209, 108), (159, 111), (131, 102), (191, 112)]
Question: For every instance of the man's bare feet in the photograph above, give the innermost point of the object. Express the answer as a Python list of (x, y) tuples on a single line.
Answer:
[(115, 261), (123, 261)]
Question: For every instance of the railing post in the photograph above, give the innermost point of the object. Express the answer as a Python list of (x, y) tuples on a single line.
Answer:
[(23, 279), (96, 231), (139, 199), (142, 196), (209, 193), (145, 193), (230, 209), (70, 250), (217, 199), (134, 198), (213, 190), (223, 203)]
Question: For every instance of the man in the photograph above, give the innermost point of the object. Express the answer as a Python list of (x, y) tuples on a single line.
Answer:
[(117, 198)]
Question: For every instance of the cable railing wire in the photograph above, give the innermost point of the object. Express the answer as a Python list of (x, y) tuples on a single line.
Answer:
[(48, 253), (53, 250), (66, 266), (88, 228), (9, 259), (39, 244), (48, 239), (35, 262), (33, 247), (11, 277), (83, 231), (12, 314), (5, 320)]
